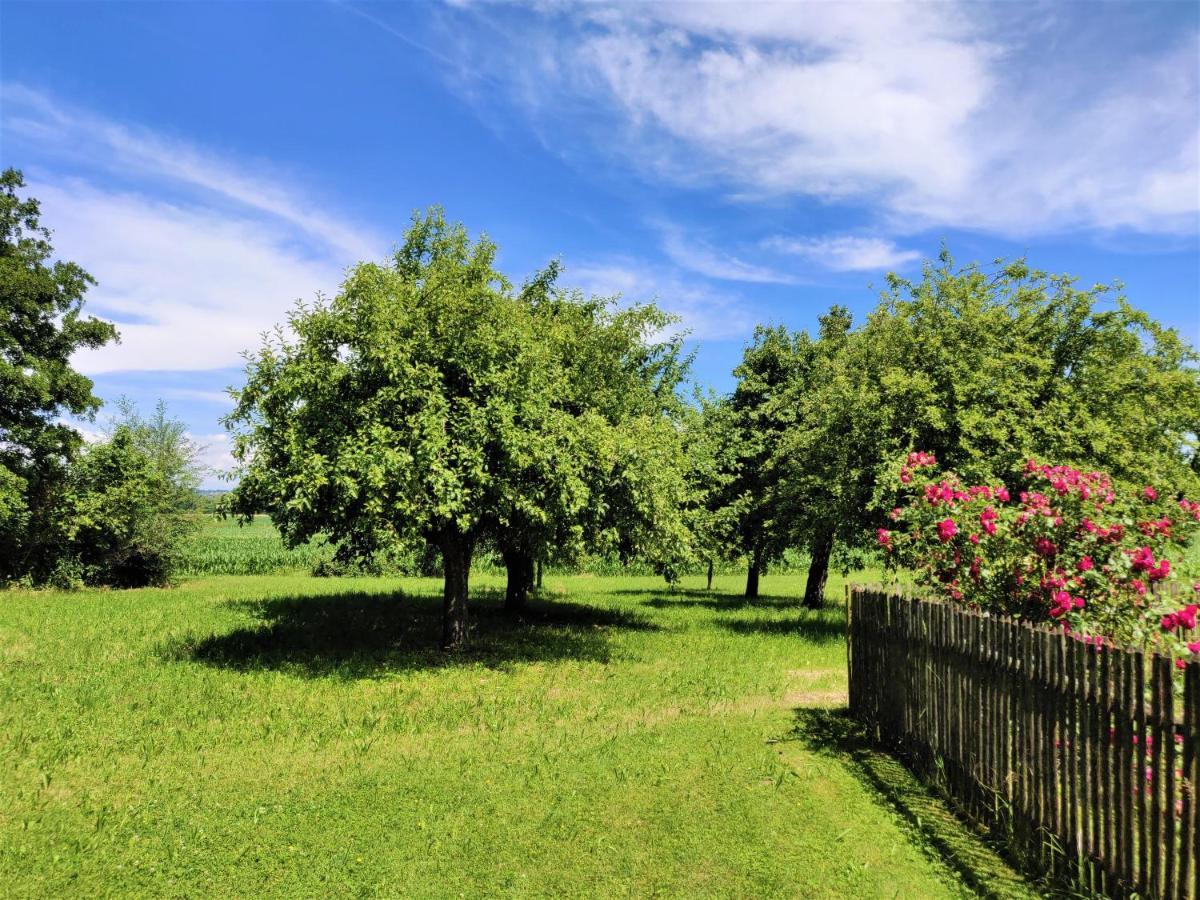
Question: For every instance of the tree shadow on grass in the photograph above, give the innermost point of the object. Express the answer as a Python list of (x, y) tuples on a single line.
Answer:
[(690, 598), (367, 635), (816, 626), (972, 857)]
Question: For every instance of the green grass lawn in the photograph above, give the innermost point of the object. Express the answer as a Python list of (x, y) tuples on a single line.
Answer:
[(291, 736)]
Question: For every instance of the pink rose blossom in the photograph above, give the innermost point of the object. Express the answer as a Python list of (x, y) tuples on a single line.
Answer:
[(884, 537), (1045, 546)]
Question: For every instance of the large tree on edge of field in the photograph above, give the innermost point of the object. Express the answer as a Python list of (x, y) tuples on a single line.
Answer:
[(400, 411), (41, 326)]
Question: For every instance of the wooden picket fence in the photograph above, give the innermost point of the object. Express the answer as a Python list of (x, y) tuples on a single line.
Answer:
[(1081, 758)]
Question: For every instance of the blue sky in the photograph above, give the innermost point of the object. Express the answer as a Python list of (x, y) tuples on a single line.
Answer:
[(210, 163)]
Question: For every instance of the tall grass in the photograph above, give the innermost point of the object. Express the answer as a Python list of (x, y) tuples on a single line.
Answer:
[(223, 547)]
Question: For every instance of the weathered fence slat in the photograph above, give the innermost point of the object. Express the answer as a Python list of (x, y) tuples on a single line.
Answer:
[(1086, 756)]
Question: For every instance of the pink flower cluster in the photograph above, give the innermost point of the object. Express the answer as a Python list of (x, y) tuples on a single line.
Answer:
[(1062, 603), (884, 538), (1062, 552), (918, 459), (1183, 618), (1191, 508), (1142, 560)]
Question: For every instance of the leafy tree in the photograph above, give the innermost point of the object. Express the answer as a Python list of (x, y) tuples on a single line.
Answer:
[(615, 483), (816, 456), (120, 522), (711, 450), (756, 422), (986, 370), (430, 403), (165, 442), (41, 326)]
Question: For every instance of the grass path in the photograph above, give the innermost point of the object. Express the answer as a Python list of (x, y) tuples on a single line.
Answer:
[(290, 736)]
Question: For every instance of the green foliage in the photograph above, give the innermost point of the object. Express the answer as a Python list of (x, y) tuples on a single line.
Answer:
[(1018, 363), (711, 450), (299, 737), (118, 522), (165, 443), (125, 507), (987, 369), (616, 409), (750, 425), (41, 326), (762, 501), (427, 403)]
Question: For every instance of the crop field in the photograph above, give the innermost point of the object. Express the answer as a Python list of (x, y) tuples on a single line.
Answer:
[(294, 736), (225, 547)]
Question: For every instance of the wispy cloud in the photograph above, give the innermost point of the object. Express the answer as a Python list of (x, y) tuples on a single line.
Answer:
[(189, 288), (960, 114), (845, 253), (195, 255), (76, 135), (705, 312), (697, 256)]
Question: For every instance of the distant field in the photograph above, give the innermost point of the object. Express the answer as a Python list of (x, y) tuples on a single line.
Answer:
[(288, 736), (223, 547)]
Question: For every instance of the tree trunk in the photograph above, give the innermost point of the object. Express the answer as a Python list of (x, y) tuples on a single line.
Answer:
[(710, 574), (456, 561), (752, 576), (538, 584), (520, 568), (818, 569)]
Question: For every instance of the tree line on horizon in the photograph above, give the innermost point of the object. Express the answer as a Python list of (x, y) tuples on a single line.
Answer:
[(432, 406)]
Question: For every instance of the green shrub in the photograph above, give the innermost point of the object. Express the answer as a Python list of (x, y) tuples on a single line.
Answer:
[(120, 523)]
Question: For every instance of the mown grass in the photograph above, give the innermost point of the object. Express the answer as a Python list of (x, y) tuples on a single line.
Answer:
[(290, 736)]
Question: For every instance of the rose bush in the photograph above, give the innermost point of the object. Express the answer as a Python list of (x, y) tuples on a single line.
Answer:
[(1064, 545)]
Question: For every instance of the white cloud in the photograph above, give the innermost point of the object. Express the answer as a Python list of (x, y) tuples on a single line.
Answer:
[(961, 115), (70, 133), (697, 256), (195, 288), (218, 398), (196, 256), (845, 253), (705, 312), (215, 457)]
